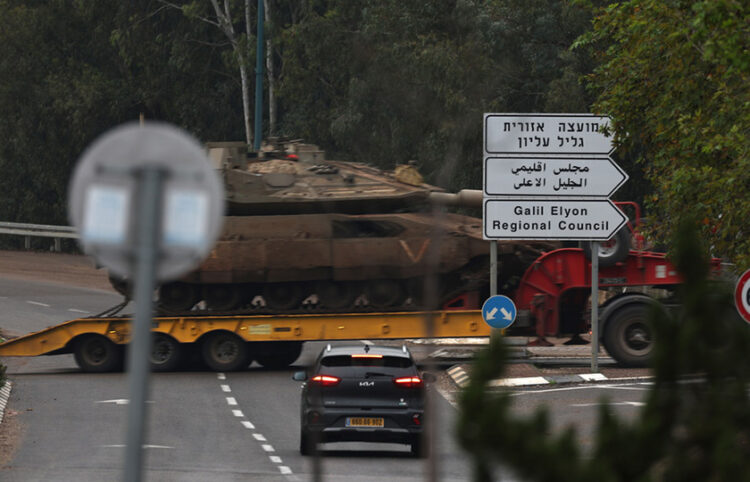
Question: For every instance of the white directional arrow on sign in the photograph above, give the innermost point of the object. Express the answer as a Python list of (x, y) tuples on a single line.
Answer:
[(491, 314), (533, 176), (594, 220)]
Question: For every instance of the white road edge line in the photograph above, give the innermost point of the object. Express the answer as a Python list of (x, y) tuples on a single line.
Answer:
[(37, 303), (74, 310), (4, 396)]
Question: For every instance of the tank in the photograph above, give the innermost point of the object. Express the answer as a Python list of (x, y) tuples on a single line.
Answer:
[(303, 232)]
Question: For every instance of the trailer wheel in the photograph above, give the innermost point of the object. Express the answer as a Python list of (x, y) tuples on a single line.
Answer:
[(166, 353), (278, 354), (97, 354), (610, 252), (225, 352), (628, 336)]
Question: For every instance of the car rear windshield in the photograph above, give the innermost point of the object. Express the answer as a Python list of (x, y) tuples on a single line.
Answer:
[(366, 361), (348, 366)]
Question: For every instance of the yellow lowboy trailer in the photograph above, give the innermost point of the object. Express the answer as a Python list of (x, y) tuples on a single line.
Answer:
[(228, 343)]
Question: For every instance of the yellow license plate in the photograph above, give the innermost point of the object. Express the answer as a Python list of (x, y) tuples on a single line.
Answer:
[(364, 422)]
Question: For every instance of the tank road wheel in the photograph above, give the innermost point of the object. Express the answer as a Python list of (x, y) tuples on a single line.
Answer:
[(335, 294), (277, 354), (282, 296), (225, 352), (221, 297), (178, 296), (166, 353), (385, 293), (628, 337), (97, 354)]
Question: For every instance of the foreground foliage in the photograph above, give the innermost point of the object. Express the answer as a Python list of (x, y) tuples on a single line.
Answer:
[(696, 421), (675, 76)]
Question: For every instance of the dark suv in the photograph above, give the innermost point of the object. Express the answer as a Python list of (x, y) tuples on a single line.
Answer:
[(362, 393)]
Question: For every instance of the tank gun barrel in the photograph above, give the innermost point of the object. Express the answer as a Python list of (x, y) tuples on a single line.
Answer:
[(470, 198)]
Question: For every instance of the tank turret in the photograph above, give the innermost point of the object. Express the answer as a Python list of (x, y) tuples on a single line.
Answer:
[(290, 177)]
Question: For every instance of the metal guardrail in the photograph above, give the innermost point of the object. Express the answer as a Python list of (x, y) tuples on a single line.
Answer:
[(40, 230)]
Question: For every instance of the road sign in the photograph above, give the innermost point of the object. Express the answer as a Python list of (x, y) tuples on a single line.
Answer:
[(499, 311), (742, 296), (593, 220), (546, 134), (536, 176), (104, 193)]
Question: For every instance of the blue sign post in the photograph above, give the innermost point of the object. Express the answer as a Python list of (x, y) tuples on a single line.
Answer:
[(499, 311)]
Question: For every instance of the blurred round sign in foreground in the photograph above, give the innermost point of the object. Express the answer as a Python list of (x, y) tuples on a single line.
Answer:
[(742, 295), (104, 195)]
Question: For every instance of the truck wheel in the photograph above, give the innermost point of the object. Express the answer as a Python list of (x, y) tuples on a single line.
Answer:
[(628, 336), (278, 354), (97, 354), (610, 252), (225, 352), (166, 353)]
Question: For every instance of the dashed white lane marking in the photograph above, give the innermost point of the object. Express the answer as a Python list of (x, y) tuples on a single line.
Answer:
[(73, 310), (120, 401), (145, 446), (283, 469), (37, 303)]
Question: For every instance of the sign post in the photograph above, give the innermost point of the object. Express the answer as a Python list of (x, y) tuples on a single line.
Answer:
[(549, 177), (148, 207)]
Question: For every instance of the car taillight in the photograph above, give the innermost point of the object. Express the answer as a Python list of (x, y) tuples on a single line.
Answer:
[(408, 382), (325, 380)]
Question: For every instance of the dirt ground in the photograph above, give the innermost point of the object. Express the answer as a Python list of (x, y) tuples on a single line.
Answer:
[(68, 269)]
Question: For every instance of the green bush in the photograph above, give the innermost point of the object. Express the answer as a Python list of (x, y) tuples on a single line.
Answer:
[(686, 431)]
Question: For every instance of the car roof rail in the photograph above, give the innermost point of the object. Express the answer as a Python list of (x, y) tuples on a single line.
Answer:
[(328, 347), (403, 348)]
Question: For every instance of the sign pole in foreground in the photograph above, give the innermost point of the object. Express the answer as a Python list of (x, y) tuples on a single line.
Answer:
[(594, 306), (149, 208), (140, 345)]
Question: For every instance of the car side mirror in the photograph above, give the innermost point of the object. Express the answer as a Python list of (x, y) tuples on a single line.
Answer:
[(429, 377), (299, 376)]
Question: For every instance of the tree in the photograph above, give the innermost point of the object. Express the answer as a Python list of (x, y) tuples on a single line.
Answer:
[(223, 18), (686, 431), (675, 77), (389, 81)]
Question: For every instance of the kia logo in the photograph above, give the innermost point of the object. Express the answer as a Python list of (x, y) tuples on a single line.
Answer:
[(366, 384)]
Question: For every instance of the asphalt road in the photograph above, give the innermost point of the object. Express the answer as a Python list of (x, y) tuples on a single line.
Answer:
[(202, 425), (207, 426)]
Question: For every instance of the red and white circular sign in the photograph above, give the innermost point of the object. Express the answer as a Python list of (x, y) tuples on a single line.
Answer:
[(742, 295)]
